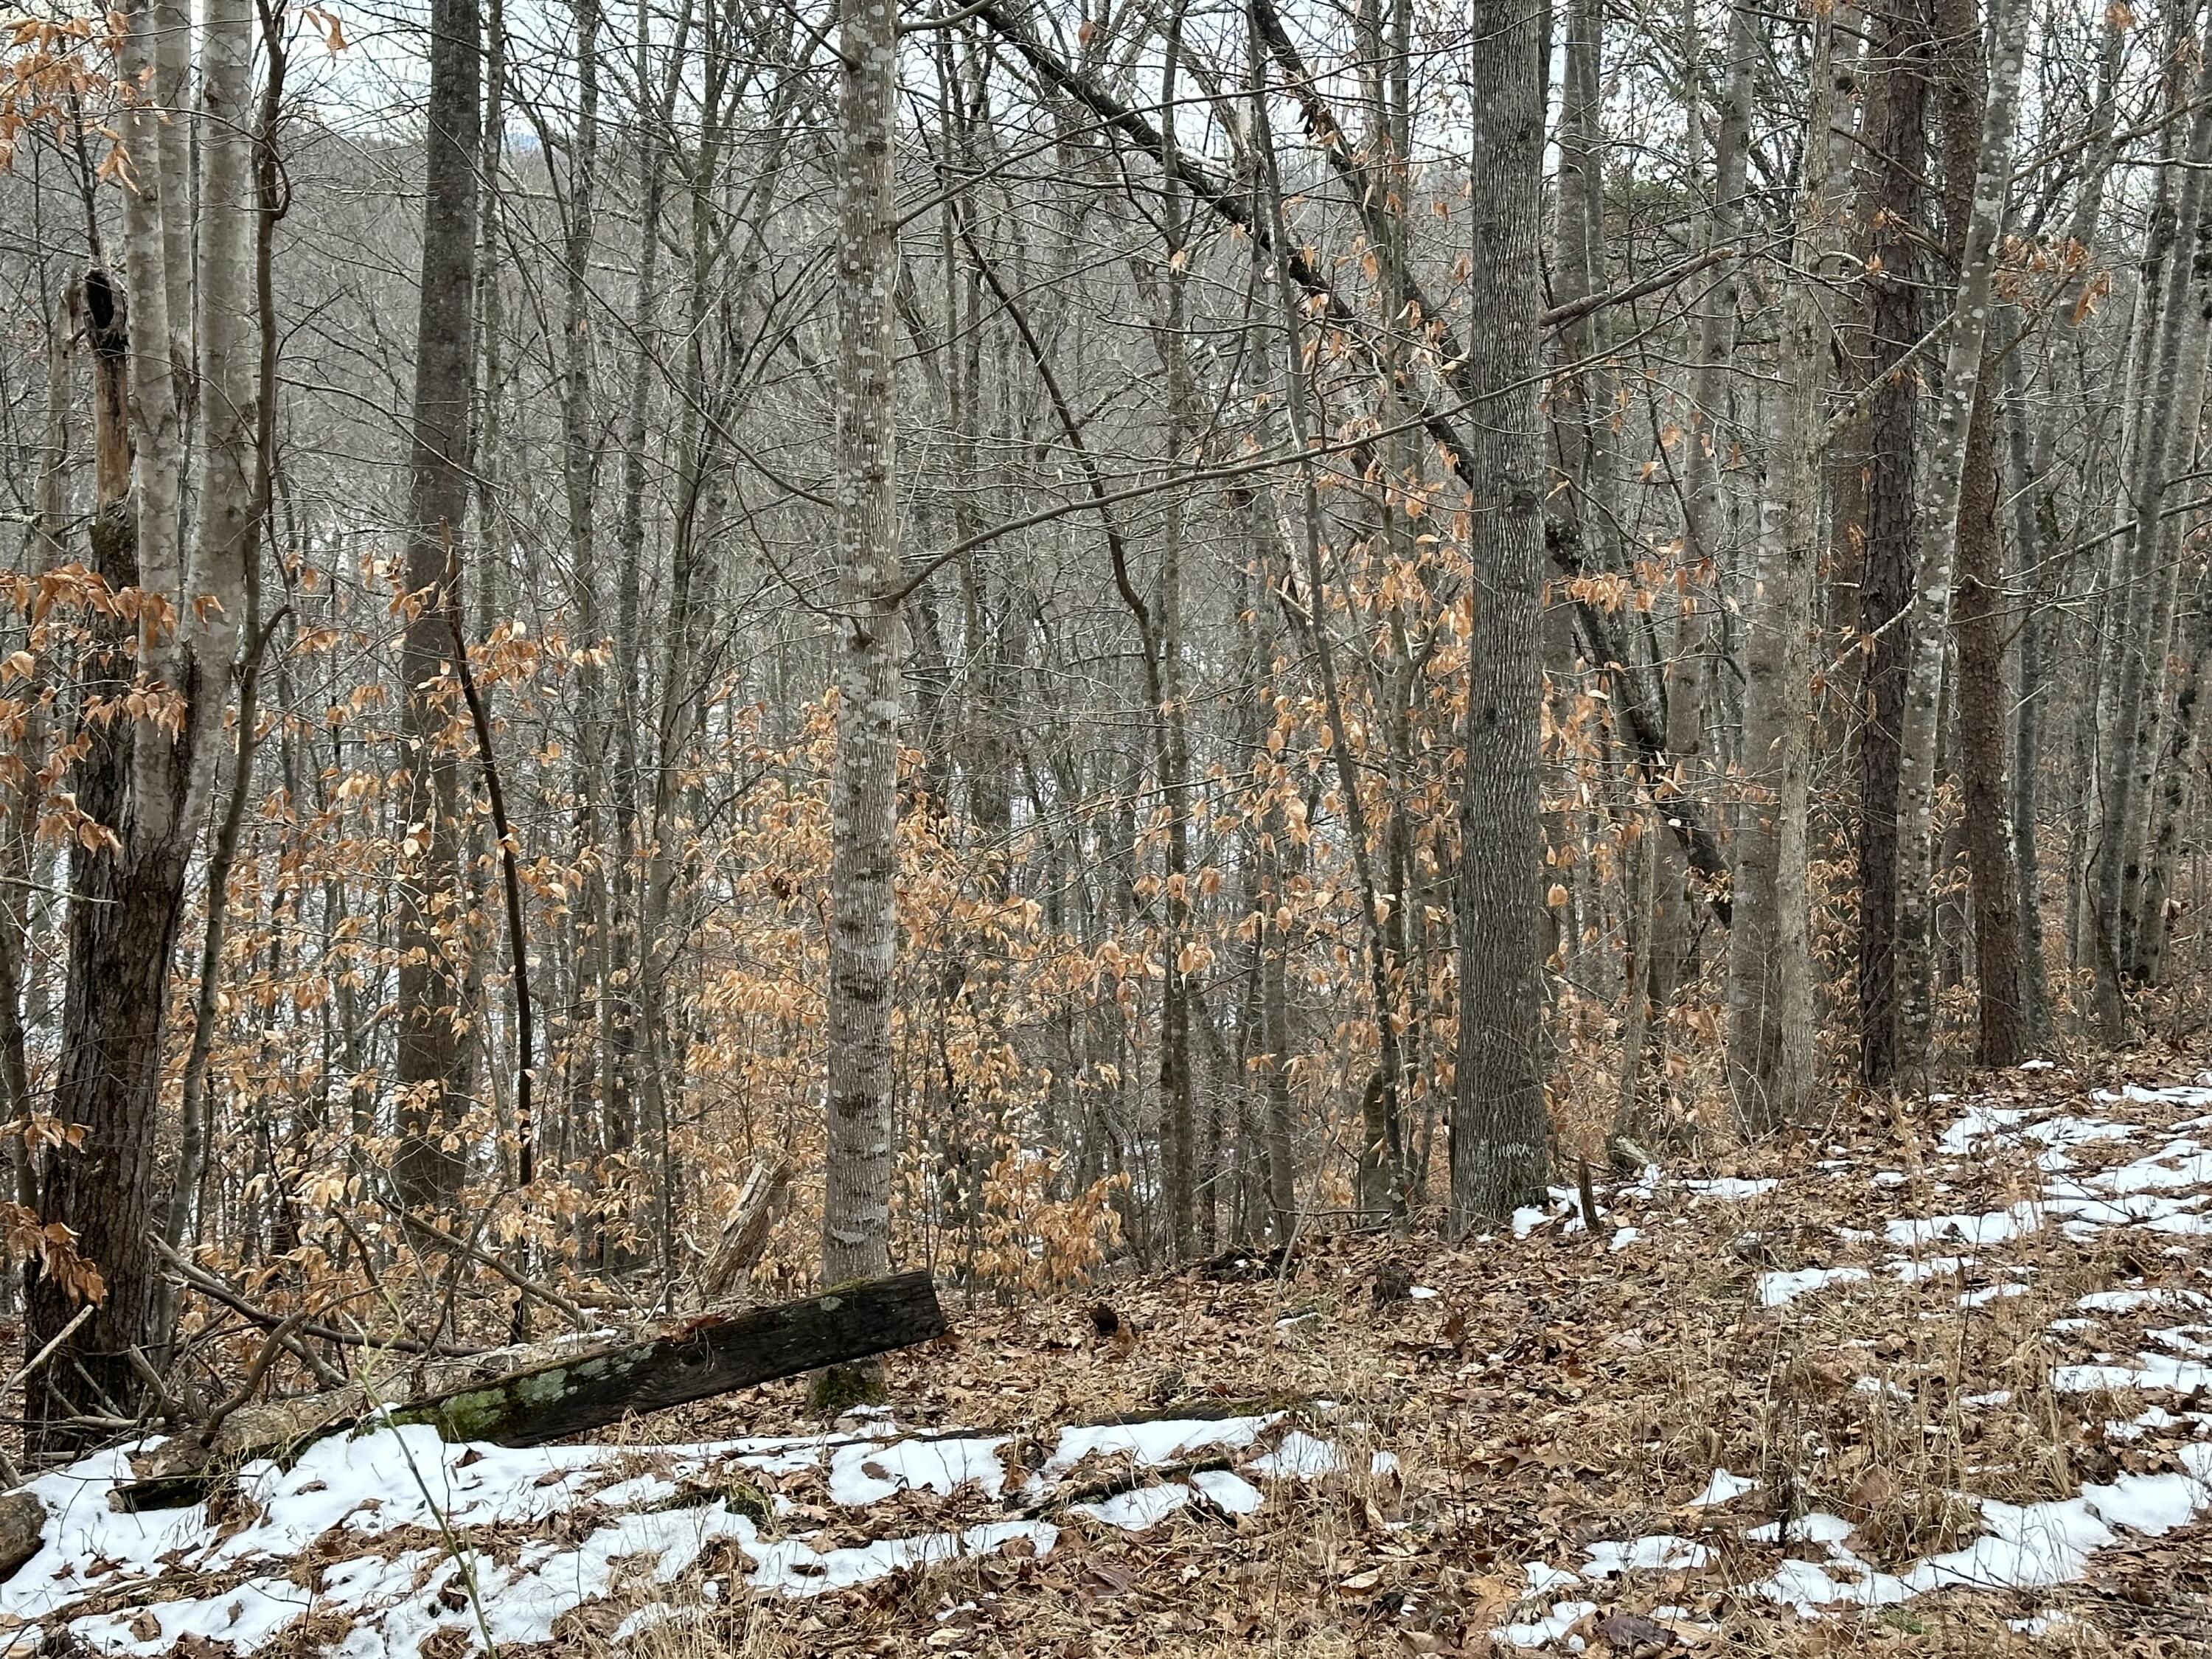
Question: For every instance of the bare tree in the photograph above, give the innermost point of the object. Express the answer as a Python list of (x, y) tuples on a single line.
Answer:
[(863, 896)]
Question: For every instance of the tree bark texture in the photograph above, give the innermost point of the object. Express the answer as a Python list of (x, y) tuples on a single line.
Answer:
[(1498, 1146)]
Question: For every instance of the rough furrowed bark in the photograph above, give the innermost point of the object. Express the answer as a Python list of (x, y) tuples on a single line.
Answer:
[(1498, 1146), (1980, 695), (1939, 535), (1885, 583)]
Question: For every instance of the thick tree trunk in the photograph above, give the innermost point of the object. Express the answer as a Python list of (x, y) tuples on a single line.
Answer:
[(433, 1069), (1896, 318), (1498, 1151)]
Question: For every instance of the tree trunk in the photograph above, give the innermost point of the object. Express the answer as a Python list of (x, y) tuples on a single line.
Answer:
[(434, 1070), (1704, 513), (1940, 519), (150, 783), (1980, 696), (855, 1217), (1886, 581), (1982, 699), (1498, 1151), (2133, 644), (2028, 495), (1382, 1163), (2192, 661), (1770, 1023)]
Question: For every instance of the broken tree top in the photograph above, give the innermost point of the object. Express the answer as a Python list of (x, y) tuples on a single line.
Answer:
[(712, 1354)]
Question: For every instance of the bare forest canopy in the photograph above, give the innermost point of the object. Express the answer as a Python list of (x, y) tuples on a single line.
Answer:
[(1107, 630)]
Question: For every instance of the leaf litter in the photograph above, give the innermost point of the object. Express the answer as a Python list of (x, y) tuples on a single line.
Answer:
[(1815, 1406)]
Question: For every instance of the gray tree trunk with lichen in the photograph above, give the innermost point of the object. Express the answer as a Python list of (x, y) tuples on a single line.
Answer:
[(864, 860)]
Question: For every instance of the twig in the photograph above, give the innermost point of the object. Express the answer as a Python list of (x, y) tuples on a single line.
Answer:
[(440, 1239), (208, 1285), (153, 1379), (47, 1353), (518, 940), (259, 1369)]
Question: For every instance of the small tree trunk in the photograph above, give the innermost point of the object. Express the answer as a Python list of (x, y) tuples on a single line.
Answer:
[(1382, 1161), (1771, 1024), (1980, 695), (1705, 504), (856, 1215), (2192, 662), (2029, 493), (2154, 442)]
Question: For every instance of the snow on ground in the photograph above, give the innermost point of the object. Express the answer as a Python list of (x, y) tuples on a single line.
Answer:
[(371, 1546), (499, 1545), (2161, 1196)]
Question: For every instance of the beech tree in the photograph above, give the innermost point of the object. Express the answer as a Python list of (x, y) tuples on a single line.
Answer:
[(864, 790)]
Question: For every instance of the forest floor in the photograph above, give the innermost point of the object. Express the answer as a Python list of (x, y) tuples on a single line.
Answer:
[(1932, 1383)]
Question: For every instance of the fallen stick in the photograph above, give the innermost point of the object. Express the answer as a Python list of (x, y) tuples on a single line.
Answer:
[(47, 1353)]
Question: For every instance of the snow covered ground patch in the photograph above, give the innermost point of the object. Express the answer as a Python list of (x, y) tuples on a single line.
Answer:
[(2091, 1179), (385, 1539)]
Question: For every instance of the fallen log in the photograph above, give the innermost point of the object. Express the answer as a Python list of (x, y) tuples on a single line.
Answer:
[(709, 1354), (712, 1354)]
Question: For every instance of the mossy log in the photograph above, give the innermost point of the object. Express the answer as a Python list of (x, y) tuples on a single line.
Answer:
[(710, 1354)]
